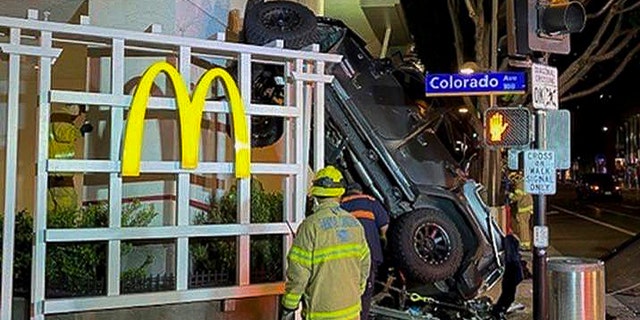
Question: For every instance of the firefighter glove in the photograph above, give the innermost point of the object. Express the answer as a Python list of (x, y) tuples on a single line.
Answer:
[(287, 314)]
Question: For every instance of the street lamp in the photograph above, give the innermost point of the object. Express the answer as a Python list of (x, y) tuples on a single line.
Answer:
[(469, 67), (463, 110)]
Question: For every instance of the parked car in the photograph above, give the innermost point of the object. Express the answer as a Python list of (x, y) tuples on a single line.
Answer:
[(599, 186), (443, 243)]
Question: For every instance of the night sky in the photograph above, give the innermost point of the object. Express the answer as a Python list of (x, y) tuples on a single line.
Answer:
[(607, 108), (590, 114)]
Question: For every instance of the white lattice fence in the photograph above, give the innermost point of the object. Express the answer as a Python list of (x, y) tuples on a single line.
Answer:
[(305, 96)]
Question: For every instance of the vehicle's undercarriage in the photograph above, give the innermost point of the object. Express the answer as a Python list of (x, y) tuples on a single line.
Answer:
[(444, 249)]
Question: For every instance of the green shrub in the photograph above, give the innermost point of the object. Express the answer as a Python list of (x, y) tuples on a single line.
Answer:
[(22, 250), (219, 254), (76, 266)]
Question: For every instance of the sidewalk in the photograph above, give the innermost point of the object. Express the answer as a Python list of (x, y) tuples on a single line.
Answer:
[(615, 309)]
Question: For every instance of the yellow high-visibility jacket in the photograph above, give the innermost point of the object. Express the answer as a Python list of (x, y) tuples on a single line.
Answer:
[(328, 265), (523, 200), (62, 140)]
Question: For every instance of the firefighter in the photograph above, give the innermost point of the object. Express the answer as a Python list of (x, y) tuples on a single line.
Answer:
[(63, 134), (375, 221), (521, 222), (328, 263)]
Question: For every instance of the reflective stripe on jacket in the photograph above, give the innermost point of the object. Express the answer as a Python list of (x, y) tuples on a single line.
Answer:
[(328, 265)]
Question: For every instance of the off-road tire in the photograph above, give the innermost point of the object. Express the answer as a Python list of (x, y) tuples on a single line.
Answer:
[(415, 251), (289, 21), (266, 131)]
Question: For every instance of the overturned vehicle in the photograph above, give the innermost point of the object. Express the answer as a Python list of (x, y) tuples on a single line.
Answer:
[(444, 250)]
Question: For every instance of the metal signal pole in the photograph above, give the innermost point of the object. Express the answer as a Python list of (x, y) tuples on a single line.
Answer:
[(540, 234)]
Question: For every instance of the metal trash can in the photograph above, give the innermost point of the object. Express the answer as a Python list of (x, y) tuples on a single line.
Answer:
[(576, 289)]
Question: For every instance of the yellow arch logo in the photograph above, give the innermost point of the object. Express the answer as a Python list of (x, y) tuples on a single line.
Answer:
[(190, 111)]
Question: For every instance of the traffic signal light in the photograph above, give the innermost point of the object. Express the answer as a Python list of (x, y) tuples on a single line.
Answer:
[(507, 127), (543, 25)]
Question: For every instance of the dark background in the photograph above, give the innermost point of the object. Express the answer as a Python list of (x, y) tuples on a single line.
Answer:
[(430, 24)]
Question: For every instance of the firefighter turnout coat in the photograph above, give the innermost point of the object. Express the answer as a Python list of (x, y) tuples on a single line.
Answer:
[(523, 200), (328, 265)]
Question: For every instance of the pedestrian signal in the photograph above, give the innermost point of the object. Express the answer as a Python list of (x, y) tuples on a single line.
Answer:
[(507, 127)]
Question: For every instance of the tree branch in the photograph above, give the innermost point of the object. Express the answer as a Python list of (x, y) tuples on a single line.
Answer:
[(503, 65), (602, 11), (481, 48), (568, 78), (630, 8), (481, 37), (502, 10), (472, 12), (628, 35), (614, 35), (486, 47), (454, 10), (581, 66), (607, 81)]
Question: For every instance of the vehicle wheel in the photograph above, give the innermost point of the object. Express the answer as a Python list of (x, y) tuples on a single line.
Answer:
[(427, 245), (265, 131), (289, 21)]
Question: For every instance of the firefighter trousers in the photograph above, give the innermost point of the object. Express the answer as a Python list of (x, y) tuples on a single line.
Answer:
[(522, 228)]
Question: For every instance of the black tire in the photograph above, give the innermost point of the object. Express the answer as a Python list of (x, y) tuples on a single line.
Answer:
[(266, 131), (289, 21), (427, 245)]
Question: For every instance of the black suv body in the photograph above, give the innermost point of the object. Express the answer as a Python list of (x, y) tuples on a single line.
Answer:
[(385, 144), (442, 241)]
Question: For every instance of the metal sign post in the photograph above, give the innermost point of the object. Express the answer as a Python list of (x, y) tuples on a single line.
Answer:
[(544, 87), (540, 180)]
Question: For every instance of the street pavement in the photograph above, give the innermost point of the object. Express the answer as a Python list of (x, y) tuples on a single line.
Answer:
[(588, 230), (616, 310)]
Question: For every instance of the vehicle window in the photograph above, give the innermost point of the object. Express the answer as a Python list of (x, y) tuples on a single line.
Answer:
[(378, 97), (424, 160)]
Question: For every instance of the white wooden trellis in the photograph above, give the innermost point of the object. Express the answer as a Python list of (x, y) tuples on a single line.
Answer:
[(305, 97)]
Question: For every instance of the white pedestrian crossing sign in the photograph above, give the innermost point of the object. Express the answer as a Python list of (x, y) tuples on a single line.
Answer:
[(539, 172)]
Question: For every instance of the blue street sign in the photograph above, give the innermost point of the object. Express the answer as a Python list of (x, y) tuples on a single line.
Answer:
[(457, 84)]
